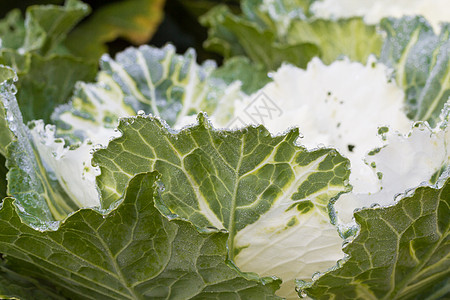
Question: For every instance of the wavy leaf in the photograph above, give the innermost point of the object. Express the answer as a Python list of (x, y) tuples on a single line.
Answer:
[(421, 60), (148, 79), (277, 31), (400, 252), (133, 252), (260, 188), (44, 82)]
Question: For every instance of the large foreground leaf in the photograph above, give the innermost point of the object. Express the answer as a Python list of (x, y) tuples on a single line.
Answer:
[(17, 286), (270, 194), (401, 252), (421, 60), (132, 253)]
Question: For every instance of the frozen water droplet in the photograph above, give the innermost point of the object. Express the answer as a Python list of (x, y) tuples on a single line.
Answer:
[(375, 205), (140, 113), (301, 135), (303, 294), (397, 197), (316, 276)]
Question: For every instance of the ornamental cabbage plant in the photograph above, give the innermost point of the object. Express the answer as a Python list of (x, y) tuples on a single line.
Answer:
[(304, 166)]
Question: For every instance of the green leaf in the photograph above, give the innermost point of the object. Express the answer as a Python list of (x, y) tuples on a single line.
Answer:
[(400, 252), (17, 286), (421, 60), (6, 137), (44, 82), (270, 33), (260, 188), (6, 75), (347, 37), (48, 25), (252, 76), (148, 79), (134, 20), (230, 35), (133, 252), (12, 30), (41, 197), (3, 182)]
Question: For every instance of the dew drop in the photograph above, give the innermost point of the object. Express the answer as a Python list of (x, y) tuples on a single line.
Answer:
[(303, 294), (316, 276), (140, 113), (375, 205), (397, 197), (345, 243)]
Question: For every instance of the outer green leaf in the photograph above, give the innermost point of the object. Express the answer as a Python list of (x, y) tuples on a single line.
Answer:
[(6, 74), (401, 252), (16, 286), (156, 81), (347, 37), (133, 20), (12, 30), (3, 171), (252, 76), (44, 82), (231, 35), (132, 253), (47, 25), (5, 135), (260, 188), (421, 61), (41, 197), (277, 31)]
